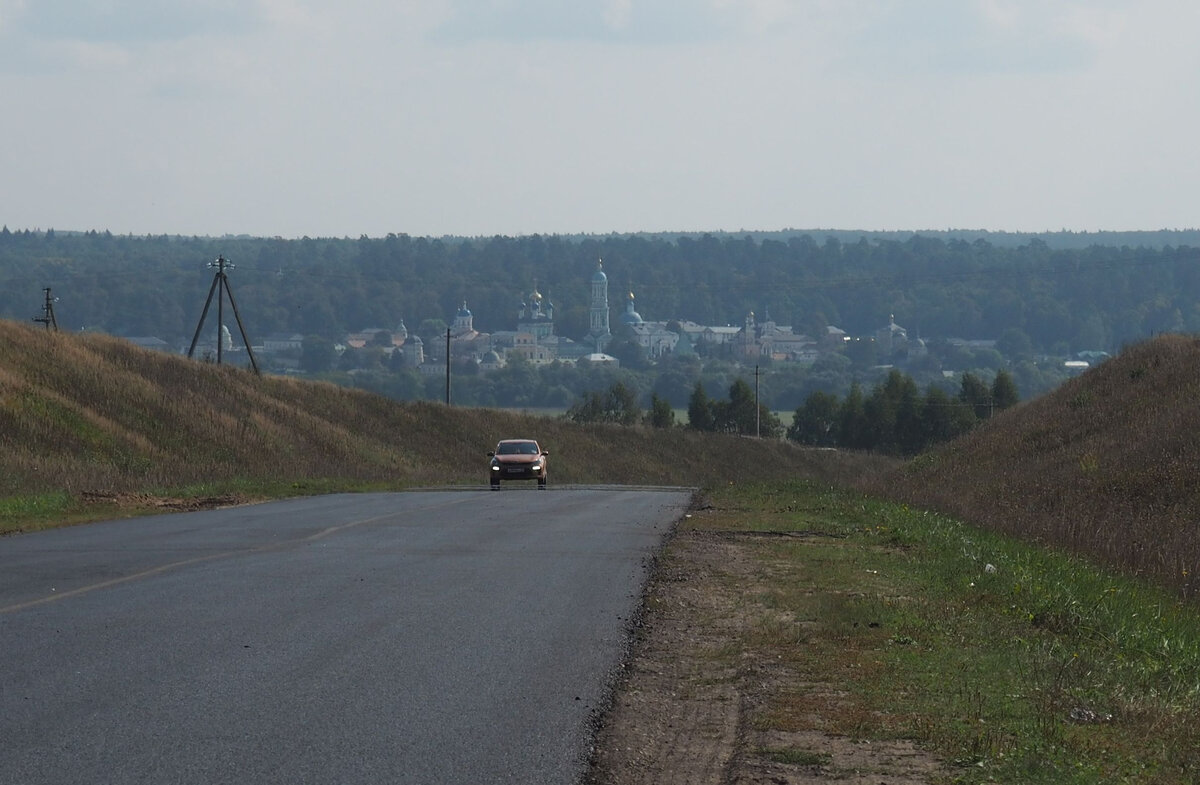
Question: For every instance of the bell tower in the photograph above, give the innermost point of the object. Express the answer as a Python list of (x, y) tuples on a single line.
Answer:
[(598, 330)]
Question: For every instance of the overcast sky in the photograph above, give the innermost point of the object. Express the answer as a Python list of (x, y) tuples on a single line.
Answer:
[(481, 117)]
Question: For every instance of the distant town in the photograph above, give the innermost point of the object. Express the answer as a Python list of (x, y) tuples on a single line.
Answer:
[(535, 341)]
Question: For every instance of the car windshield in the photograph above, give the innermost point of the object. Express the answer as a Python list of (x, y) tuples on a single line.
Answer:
[(517, 448)]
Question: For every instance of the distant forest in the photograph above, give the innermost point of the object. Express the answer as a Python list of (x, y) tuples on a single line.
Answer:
[(1050, 294)]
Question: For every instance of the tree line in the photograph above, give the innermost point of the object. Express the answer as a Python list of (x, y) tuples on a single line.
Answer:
[(740, 414), (1036, 302), (1049, 300), (894, 418)]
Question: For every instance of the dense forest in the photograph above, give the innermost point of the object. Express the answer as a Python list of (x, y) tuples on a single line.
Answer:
[(1036, 296)]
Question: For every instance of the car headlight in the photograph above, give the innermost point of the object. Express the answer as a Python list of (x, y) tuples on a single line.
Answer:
[(537, 467), (495, 467)]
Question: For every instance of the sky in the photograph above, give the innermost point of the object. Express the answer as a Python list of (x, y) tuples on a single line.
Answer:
[(302, 118)]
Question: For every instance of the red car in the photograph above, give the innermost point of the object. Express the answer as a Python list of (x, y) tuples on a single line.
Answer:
[(518, 459)]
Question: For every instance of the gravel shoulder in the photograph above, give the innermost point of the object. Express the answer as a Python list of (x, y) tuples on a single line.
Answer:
[(691, 704)]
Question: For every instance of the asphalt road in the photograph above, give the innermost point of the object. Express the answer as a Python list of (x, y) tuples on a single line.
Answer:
[(431, 637)]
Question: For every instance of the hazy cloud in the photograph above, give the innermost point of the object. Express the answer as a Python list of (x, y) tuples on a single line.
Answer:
[(130, 21), (641, 21), (301, 117), (979, 36)]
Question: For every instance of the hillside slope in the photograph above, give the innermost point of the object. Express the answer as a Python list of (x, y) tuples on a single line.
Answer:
[(1106, 465), (87, 415)]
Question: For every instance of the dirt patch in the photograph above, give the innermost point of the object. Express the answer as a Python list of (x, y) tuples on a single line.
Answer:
[(684, 712), (143, 501)]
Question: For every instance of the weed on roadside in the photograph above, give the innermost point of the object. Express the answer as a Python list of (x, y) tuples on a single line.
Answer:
[(1014, 663)]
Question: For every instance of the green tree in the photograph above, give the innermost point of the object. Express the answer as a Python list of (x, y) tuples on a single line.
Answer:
[(433, 333), (1015, 344), (317, 354), (943, 417), (937, 416), (617, 404), (700, 410), (737, 415), (769, 425), (589, 408), (975, 394), (816, 422), (909, 434), (743, 415), (853, 429), (879, 409), (622, 402), (863, 352), (1004, 391), (661, 415)]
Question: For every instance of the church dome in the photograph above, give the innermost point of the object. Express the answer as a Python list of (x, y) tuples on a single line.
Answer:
[(630, 316), (599, 276), (463, 312)]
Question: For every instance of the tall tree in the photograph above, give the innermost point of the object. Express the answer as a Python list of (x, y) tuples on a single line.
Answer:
[(1004, 391), (975, 393), (937, 415), (909, 434), (740, 413), (815, 423), (660, 415), (853, 429), (700, 410)]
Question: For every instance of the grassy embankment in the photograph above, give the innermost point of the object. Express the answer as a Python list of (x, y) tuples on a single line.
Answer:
[(1010, 662), (92, 426), (1053, 639)]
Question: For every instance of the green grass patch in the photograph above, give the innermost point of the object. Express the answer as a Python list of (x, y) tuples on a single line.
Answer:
[(1016, 663), (32, 512), (796, 757)]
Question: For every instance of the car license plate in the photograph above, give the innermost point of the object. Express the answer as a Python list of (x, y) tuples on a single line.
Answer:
[(516, 470)]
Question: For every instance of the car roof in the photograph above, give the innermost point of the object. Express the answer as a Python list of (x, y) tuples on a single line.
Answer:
[(517, 441)]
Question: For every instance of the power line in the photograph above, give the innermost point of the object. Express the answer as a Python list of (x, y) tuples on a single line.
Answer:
[(47, 317), (220, 286)]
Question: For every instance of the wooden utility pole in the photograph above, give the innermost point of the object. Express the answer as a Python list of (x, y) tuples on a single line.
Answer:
[(757, 412), (220, 286), (47, 317)]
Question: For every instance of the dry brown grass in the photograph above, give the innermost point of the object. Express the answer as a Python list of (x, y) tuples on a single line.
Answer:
[(1105, 466), (92, 414)]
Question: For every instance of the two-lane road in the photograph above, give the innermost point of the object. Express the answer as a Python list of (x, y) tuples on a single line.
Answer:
[(377, 638)]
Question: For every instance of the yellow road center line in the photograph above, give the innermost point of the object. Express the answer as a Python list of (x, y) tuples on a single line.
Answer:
[(57, 596)]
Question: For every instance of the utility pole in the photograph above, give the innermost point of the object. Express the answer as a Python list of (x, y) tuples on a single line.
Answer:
[(757, 425), (220, 286), (447, 366), (47, 317)]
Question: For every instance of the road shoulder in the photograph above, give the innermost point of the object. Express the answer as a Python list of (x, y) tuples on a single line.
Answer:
[(687, 708)]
